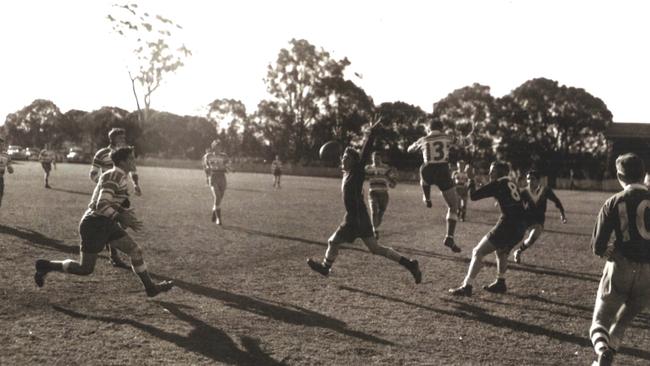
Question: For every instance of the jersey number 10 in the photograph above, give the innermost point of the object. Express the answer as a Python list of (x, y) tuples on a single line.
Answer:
[(640, 220)]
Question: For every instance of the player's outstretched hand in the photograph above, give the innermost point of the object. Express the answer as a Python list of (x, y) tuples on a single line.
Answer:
[(128, 219)]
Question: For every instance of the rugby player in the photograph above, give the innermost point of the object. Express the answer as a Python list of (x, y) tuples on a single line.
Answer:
[(508, 231), (5, 165), (537, 197), (435, 170), (624, 289), (356, 223), (47, 158), (104, 222), (461, 179), (381, 177), (276, 170), (216, 164)]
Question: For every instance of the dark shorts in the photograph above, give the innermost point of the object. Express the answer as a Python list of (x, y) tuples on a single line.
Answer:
[(507, 233), (96, 232), (47, 166), (535, 219), (437, 174), (353, 228), (277, 172), (462, 191), (218, 181), (378, 200)]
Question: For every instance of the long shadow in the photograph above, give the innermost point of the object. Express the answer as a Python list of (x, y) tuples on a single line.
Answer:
[(39, 239), (71, 191), (283, 237), (471, 312), (584, 276), (287, 313), (204, 339)]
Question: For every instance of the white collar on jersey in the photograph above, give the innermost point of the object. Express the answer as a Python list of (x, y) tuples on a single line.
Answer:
[(635, 186)]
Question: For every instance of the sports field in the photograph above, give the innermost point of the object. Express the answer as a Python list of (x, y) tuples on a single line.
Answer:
[(245, 296)]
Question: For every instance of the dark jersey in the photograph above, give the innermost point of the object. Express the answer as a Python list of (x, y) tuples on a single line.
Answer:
[(627, 214), (505, 192), (352, 184), (536, 201)]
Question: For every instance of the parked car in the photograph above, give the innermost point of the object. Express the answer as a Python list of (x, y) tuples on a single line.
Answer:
[(77, 155), (32, 153), (16, 152)]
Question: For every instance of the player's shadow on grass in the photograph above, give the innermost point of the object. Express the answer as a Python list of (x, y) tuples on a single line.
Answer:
[(37, 239), (466, 312), (71, 191), (583, 276), (284, 237), (287, 313), (203, 339)]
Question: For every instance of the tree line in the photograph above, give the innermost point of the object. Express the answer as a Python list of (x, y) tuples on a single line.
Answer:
[(541, 123)]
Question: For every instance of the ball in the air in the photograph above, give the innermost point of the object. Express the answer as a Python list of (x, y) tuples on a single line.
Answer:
[(331, 150)]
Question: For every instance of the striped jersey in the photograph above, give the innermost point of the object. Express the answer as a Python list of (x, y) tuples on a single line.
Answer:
[(460, 177), (102, 162), (215, 163), (276, 165), (110, 193), (380, 177), (435, 146), (5, 161), (46, 156)]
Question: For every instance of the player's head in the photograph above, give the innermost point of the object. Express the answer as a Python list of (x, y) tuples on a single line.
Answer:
[(349, 158), (376, 157), (533, 178), (434, 124), (214, 146), (117, 136), (630, 169), (498, 169), (460, 164), (123, 158)]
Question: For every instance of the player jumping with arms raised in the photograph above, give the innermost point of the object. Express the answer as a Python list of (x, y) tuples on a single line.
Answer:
[(216, 164), (508, 231), (624, 289), (103, 223), (356, 223), (381, 177), (435, 170), (537, 196)]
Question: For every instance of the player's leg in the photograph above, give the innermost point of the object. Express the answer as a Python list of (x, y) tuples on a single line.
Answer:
[(611, 296), (463, 204), (499, 286), (426, 171), (333, 244), (411, 264), (535, 232), (83, 267), (127, 245), (219, 192), (479, 252), (451, 199)]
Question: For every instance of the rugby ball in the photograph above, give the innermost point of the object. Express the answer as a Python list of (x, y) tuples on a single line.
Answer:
[(331, 150)]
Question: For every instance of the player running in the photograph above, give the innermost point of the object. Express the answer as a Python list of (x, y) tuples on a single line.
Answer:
[(536, 196), (5, 165), (461, 179), (101, 163), (381, 177), (508, 231), (47, 158), (104, 222), (356, 223), (624, 289), (435, 170), (216, 164), (276, 170)]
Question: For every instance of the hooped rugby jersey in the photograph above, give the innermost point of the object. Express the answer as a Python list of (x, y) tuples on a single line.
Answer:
[(435, 146), (380, 177), (215, 163), (102, 162), (110, 193)]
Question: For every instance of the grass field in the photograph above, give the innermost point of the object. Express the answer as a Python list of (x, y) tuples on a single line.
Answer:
[(245, 296)]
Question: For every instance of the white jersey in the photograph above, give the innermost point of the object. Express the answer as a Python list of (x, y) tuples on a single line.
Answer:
[(435, 146)]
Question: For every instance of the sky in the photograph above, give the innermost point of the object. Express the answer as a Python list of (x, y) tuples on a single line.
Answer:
[(412, 51)]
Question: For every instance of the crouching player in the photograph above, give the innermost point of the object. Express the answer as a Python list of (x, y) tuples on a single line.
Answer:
[(356, 223), (103, 223), (624, 289), (537, 196), (508, 231)]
